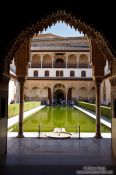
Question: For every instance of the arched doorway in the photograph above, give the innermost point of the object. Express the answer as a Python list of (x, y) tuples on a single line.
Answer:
[(59, 95), (82, 26)]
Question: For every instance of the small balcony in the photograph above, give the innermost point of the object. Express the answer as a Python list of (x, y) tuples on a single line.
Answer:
[(71, 65), (35, 65), (83, 65), (47, 66), (59, 65)]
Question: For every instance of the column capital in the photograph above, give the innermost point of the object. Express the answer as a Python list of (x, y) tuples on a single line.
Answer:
[(41, 56), (98, 80), (21, 78), (113, 80), (113, 66)]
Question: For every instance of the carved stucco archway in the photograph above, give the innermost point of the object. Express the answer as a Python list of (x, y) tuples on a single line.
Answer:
[(60, 15), (26, 34), (99, 45)]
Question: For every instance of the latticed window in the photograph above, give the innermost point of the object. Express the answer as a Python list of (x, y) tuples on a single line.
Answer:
[(35, 74), (46, 73), (83, 73), (61, 73), (57, 73), (72, 73), (59, 63)]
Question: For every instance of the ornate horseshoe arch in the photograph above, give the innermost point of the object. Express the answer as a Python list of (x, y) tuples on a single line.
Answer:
[(52, 19)]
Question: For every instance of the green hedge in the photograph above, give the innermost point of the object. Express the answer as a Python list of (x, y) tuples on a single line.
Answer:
[(105, 111), (13, 109)]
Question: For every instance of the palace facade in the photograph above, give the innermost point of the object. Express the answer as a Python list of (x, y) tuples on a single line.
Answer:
[(60, 68)]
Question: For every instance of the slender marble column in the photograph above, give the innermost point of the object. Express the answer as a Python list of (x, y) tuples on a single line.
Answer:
[(66, 61), (41, 61), (52, 96), (52, 61), (21, 106), (98, 113)]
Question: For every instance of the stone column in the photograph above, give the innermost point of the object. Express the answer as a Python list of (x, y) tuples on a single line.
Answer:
[(113, 113), (98, 113), (21, 80), (66, 96), (41, 95), (98, 63), (52, 61), (22, 59), (66, 60), (52, 96), (41, 61), (77, 60)]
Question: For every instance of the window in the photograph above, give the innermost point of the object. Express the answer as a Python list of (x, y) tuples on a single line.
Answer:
[(35, 74), (59, 73), (72, 73), (59, 63), (46, 73), (83, 73)]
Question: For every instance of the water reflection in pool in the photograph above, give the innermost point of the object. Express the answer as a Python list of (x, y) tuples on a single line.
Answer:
[(66, 117)]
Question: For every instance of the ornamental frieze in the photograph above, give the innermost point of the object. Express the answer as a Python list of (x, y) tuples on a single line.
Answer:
[(52, 19)]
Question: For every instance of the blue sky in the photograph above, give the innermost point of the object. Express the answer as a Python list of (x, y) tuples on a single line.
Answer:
[(62, 29)]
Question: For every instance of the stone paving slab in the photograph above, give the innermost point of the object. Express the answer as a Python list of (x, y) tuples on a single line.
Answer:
[(34, 151)]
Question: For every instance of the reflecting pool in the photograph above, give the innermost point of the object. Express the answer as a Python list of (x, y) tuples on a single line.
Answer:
[(66, 117)]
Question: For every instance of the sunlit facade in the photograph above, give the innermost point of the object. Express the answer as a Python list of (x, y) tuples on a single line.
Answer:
[(60, 68)]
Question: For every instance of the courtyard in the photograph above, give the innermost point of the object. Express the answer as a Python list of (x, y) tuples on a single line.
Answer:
[(58, 156)]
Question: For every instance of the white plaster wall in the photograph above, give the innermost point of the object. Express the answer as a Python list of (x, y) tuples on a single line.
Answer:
[(108, 92), (12, 90), (17, 91), (106, 69), (66, 72)]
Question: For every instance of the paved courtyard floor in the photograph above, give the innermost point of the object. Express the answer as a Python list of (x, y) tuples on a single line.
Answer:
[(44, 156), (58, 156), (73, 134)]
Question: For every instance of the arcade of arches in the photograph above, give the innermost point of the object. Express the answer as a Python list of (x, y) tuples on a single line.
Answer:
[(49, 89), (99, 54)]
